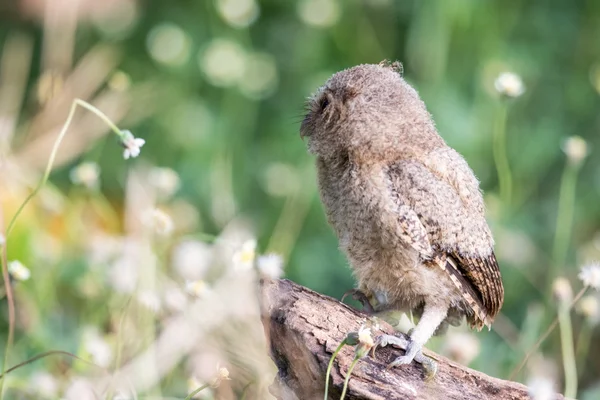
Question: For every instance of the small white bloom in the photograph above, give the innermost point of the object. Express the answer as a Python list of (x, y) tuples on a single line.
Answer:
[(364, 337), (197, 288), (575, 147), (243, 259), (590, 275), (131, 144), (18, 270), (223, 374), (150, 300), (164, 180), (509, 84), (159, 221), (98, 348), (86, 174), (270, 265)]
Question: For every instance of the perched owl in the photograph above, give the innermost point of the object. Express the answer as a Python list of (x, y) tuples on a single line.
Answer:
[(406, 208)]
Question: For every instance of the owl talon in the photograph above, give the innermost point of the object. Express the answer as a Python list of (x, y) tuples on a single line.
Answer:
[(413, 352), (362, 298)]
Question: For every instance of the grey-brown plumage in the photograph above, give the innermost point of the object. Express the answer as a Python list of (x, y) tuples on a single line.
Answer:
[(406, 208)]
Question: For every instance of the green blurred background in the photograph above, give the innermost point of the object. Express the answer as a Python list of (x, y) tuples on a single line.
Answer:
[(217, 90)]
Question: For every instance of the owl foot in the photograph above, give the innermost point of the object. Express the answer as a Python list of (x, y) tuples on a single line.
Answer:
[(362, 298), (413, 351)]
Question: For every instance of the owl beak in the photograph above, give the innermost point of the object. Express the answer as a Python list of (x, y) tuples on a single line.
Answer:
[(304, 132)]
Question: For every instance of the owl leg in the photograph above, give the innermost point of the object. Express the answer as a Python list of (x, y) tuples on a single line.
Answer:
[(432, 317)]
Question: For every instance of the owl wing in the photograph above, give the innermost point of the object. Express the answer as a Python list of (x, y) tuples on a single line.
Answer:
[(443, 212), (412, 232)]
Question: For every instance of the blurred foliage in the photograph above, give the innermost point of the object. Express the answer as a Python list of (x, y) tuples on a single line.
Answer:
[(217, 89)]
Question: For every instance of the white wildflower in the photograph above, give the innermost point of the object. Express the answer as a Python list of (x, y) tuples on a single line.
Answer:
[(86, 174), (270, 265), (18, 270), (364, 341), (222, 375), (509, 84), (98, 348), (159, 221), (131, 144), (364, 336), (590, 275), (164, 180), (461, 347), (191, 259), (243, 259), (197, 288), (576, 149)]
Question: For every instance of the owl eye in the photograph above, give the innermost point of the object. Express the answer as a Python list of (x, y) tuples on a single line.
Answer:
[(324, 103)]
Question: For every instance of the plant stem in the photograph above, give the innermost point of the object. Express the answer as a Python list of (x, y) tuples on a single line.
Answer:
[(564, 218), (195, 392), (501, 157), (11, 312), (583, 343), (333, 356), (543, 337), (568, 352), (348, 377)]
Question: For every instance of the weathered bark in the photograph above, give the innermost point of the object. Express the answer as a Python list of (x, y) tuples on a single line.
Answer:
[(304, 329)]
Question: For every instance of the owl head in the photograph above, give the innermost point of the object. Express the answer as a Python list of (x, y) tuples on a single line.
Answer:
[(367, 110)]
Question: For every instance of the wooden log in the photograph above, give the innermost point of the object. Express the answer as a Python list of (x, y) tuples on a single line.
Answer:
[(304, 328)]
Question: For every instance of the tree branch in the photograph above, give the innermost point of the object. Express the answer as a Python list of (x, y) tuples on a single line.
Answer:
[(304, 328)]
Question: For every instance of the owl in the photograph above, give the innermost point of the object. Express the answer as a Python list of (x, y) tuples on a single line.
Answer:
[(406, 207)]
